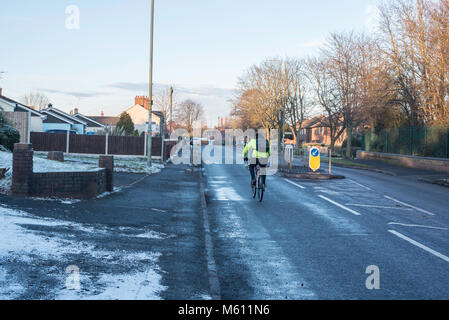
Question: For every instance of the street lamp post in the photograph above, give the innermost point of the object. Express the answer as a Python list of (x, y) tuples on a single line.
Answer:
[(150, 107)]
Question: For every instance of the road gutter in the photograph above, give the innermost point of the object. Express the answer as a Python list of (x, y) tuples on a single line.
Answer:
[(214, 283)]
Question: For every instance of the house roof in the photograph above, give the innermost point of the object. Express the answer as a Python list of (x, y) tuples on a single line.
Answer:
[(106, 121), (90, 122), (14, 103), (313, 123), (160, 114), (63, 114), (54, 114)]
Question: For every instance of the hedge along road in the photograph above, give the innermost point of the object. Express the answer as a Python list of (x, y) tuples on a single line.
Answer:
[(320, 240)]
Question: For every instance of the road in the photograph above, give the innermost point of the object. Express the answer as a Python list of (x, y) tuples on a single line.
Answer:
[(315, 240)]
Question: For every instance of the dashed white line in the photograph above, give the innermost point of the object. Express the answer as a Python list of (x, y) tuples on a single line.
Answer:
[(295, 184), (376, 206), (361, 185), (410, 206), (340, 205), (419, 245), (416, 226)]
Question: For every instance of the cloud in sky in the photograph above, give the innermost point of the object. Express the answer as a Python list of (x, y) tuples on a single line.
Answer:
[(207, 91), (74, 94), (215, 100)]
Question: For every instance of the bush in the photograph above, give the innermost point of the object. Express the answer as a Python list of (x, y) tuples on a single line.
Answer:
[(8, 134), (353, 151), (356, 141)]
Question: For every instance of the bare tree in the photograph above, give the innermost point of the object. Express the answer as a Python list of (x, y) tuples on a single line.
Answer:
[(36, 100), (416, 45), (188, 112), (326, 96), (162, 102), (298, 106)]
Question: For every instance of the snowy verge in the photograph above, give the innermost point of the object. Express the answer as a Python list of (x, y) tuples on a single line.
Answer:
[(27, 241), (40, 165), (75, 164)]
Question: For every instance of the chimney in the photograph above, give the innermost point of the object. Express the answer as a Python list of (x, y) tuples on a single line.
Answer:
[(1, 89), (71, 112), (102, 113), (143, 101), (75, 111), (221, 122)]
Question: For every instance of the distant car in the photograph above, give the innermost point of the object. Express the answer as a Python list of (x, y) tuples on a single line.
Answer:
[(61, 131)]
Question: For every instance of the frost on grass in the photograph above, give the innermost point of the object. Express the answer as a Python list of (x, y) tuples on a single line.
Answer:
[(35, 252), (40, 165), (121, 164), (75, 163)]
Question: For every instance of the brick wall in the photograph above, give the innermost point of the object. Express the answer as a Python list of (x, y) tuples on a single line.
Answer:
[(80, 185)]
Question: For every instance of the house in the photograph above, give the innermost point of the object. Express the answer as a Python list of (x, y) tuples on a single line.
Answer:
[(93, 126), (25, 119), (139, 115), (60, 120), (317, 131), (108, 123)]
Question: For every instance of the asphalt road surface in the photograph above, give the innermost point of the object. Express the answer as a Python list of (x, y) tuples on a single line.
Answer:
[(317, 240)]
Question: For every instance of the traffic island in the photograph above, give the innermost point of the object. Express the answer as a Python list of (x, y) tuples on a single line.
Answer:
[(444, 182), (312, 176), (304, 172)]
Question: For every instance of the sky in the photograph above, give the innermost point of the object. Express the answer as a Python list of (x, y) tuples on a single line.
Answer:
[(201, 47)]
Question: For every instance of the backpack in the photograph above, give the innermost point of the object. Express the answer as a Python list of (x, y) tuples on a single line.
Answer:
[(267, 146)]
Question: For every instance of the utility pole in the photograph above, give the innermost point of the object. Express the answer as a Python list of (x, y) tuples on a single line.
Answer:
[(171, 110), (150, 107)]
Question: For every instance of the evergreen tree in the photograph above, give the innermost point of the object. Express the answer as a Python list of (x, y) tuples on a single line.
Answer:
[(125, 125)]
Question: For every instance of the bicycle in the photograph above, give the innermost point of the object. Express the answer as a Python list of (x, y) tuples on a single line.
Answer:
[(259, 188)]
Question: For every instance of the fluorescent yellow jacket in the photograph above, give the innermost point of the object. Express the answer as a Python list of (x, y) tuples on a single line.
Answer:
[(256, 154)]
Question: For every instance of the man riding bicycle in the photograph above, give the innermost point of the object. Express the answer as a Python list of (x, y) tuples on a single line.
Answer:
[(260, 152)]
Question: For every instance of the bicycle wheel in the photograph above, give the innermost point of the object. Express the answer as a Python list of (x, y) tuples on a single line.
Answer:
[(254, 189), (260, 189)]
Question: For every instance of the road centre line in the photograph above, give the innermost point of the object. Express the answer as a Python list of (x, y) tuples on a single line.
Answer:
[(340, 205), (410, 206), (376, 206), (415, 226), (419, 245), (295, 184), (361, 185)]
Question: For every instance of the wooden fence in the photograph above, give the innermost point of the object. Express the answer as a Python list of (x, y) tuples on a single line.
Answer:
[(110, 145)]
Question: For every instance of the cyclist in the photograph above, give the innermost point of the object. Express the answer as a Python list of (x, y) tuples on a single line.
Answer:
[(260, 152)]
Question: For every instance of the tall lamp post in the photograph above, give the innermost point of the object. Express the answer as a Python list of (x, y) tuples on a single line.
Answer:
[(150, 107)]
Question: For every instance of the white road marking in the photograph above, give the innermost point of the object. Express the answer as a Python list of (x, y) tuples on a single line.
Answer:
[(340, 205), (295, 184), (158, 210), (415, 226), (361, 185), (375, 206), (410, 206), (419, 245)]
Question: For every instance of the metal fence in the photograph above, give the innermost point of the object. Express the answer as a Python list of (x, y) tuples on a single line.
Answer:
[(415, 141)]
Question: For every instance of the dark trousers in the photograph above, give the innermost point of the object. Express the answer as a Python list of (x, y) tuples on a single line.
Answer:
[(252, 170)]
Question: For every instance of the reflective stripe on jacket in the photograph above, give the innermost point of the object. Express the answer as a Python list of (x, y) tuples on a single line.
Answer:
[(256, 154)]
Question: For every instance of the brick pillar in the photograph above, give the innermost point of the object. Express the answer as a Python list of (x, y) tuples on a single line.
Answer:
[(107, 162), (22, 174)]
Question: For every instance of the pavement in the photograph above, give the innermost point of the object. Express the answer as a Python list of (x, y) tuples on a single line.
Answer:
[(199, 234), (144, 242)]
